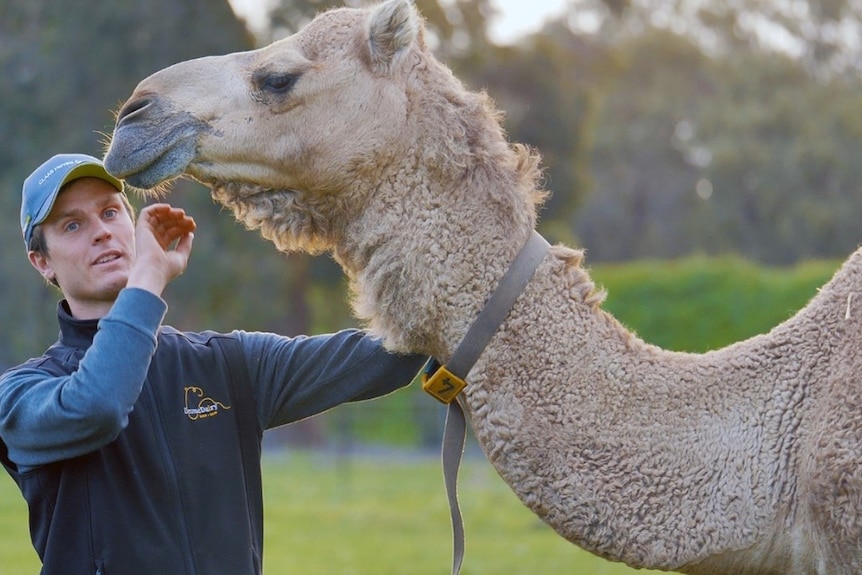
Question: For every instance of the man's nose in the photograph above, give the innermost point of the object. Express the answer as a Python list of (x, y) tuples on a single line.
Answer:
[(102, 232)]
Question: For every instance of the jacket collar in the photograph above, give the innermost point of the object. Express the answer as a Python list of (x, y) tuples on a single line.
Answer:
[(75, 332)]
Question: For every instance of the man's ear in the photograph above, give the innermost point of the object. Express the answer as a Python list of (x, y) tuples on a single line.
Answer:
[(42, 265)]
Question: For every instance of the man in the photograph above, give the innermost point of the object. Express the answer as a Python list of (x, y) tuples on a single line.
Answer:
[(136, 446)]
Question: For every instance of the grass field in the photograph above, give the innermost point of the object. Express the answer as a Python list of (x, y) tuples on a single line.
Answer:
[(328, 515)]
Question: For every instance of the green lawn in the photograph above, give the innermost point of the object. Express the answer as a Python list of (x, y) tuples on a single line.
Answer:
[(384, 515)]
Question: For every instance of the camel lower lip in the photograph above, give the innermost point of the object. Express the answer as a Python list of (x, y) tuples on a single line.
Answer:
[(145, 161)]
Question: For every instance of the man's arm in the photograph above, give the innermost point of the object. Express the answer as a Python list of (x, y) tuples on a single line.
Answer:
[(302, 376), (46, 417)]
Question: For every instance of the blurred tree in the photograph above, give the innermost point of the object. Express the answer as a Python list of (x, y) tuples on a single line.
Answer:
[(740, 152), (787, 185), (822, 33), (550, 86), (645, 159)]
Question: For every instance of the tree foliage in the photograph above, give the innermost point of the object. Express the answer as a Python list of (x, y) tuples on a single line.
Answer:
[(746, 153)]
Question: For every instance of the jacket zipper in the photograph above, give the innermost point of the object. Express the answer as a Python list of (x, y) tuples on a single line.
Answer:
[(171, 470)]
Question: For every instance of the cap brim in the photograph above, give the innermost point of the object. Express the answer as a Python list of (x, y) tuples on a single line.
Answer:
[(83, 170), (92, 171)]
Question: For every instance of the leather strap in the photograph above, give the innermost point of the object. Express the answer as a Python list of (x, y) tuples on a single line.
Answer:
[(468, 351), (454, 436), (498, 305)]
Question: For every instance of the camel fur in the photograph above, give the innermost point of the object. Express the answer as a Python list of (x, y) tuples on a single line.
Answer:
[(350, 138)]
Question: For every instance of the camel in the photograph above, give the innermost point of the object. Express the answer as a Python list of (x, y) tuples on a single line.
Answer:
[(350, 138)]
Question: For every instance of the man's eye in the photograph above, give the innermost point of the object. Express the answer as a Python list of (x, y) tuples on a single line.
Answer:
[(71, 226), (110, 213)]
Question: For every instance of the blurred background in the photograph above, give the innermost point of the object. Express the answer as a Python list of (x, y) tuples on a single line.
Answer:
[(706, 153)]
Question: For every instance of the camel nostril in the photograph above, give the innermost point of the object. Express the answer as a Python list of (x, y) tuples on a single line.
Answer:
[(133, 108)]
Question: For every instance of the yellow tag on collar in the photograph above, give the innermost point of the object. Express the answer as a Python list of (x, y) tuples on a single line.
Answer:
[(443, 384)]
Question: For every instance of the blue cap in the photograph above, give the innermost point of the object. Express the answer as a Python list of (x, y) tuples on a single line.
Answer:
[(43, 185)]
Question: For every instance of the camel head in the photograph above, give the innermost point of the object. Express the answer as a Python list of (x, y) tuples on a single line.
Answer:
[(285, 129), (295, 136)]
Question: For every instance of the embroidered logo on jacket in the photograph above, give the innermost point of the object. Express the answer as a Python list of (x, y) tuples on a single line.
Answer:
[(206, 406)]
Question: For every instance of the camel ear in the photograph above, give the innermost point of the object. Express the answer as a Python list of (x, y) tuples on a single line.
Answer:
[(392, 28)]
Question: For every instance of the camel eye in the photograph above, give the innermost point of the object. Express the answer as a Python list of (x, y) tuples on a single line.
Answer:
[(273, 83)]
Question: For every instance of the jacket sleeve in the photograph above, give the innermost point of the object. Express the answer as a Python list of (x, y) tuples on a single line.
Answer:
[(298, 377), (45, 417)]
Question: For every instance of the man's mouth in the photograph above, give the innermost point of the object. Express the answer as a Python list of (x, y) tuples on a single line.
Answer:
[(107, 258)]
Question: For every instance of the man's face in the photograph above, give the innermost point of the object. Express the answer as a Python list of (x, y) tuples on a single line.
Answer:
[(91, 246)]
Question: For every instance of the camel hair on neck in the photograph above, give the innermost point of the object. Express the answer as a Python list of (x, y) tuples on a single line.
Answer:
[(350, 138)]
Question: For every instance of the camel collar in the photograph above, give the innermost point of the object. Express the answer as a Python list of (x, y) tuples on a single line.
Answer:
[(446, 382)]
